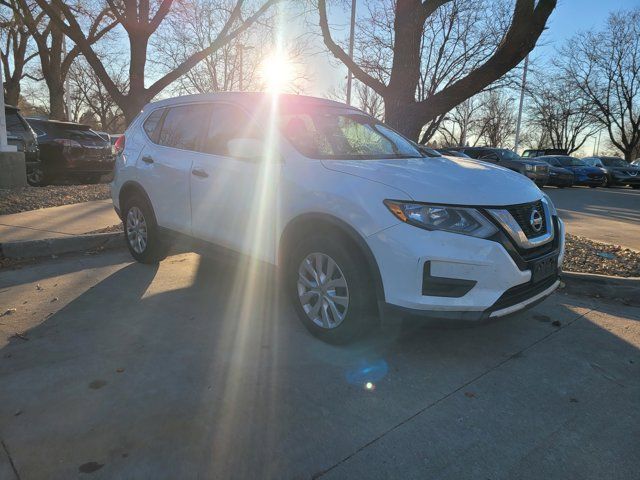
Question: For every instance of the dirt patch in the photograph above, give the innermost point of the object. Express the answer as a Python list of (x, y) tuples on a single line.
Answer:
[(586, 256), (32, 198)]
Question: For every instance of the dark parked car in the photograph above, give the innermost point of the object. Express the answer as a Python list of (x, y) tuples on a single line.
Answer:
[(558, 175), (20, 134), (542, 152), (452, 153), (71, 150), (617, 171), (533, 169), (583, 174)]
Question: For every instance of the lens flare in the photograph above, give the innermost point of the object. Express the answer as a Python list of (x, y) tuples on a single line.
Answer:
[(277, 72)]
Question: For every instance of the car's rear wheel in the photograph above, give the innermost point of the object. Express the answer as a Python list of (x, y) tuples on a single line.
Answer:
[(329, 283), (141, 231), (37, 177)]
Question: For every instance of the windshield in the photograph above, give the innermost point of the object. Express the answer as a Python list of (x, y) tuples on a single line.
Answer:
[(614, 162), (326, 132), (508, 154), (571, 162)]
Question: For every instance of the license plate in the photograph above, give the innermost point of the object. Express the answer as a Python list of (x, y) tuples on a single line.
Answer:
[(544, 268)]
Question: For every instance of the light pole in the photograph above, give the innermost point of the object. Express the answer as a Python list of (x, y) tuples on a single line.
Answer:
[(524, 82), (351, 32)]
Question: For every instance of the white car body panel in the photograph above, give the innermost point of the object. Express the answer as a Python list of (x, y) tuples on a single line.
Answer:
[(246, 206)]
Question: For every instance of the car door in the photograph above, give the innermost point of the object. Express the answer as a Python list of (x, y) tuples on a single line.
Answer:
[(233, 199), (164, 165)]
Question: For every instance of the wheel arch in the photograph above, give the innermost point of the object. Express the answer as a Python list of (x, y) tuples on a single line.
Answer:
[(130, 188), (299, 226)]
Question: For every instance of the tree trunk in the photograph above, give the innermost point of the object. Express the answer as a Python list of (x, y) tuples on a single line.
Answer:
[(57, 109), (12, 92), (133, 105), (398, 115)]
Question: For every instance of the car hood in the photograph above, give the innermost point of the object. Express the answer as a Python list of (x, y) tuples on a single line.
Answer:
[(447, 180)]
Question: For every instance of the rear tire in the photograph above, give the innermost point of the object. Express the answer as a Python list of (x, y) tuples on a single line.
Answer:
[(330, 286), (37, 177), (141, 231)]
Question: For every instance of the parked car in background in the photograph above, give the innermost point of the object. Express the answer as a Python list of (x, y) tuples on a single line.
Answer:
[(442, 237), (542, 152), (583, 174), (452, 153), (558, 175), (617, 171), (533, 169), (70, 151), (22, 136)]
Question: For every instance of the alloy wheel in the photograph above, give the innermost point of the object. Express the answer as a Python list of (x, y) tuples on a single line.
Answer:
[(136, 230), (323, 290)]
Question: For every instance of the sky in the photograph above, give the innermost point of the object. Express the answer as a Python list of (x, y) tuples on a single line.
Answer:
[(569, 17)]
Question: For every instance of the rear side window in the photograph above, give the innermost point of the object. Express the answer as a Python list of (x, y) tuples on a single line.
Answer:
[(151, 124), (182, 127), (227, 122), (14, 124)]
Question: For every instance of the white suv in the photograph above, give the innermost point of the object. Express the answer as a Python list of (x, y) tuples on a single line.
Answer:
[(355, 216)]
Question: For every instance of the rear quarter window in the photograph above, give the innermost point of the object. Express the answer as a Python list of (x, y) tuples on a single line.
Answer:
[(150, 125), (183, 125)]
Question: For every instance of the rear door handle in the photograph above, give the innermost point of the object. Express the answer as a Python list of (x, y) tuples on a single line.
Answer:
[(199, 173), (147, 159)]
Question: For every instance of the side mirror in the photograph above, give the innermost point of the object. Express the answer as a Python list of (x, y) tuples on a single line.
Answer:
[(246, 148)]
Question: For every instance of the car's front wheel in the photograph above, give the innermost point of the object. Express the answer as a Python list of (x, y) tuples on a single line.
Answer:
[(330, 286), (141, 231)]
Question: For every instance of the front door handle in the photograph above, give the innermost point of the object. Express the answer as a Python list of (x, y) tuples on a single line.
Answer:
[(199, 173), (147, 159)]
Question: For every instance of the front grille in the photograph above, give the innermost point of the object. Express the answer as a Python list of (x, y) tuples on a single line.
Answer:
[(522, 215), (523, 292)]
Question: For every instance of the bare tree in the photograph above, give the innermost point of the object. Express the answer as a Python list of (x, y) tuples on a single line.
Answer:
[(459, 125), (561, 112), (140, 19), (604, 67), (496, 123), (55, 61), (399, 77), (14, 56), (89, 95)]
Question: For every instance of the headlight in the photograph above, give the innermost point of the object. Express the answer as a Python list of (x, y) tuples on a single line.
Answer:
[(466, 221), (529, 168)]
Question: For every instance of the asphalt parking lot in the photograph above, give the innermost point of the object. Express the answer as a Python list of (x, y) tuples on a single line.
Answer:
[(196, 369), (609, 215)]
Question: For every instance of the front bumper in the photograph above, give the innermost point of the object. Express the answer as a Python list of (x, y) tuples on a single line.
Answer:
[(589, 179), (502, 276)]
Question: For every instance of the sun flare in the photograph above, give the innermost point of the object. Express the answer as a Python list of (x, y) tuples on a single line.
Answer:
[(277, 72)]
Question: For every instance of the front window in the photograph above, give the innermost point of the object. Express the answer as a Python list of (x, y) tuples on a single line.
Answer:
[(506, 154), (571, 162), (326, 132), (614, 162)]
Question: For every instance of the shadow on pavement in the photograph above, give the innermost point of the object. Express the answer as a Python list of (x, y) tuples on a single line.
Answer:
[(200, 369)]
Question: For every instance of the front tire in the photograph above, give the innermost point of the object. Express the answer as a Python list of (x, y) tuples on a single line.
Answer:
[(330, 286), (141, 231)]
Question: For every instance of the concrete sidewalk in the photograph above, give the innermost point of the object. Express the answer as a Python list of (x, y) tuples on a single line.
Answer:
[(55, 222)]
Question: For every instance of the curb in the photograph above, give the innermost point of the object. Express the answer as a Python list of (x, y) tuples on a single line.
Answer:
[(59, 245), (621, 289)]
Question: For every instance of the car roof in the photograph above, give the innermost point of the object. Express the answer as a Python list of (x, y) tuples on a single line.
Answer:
[(248, 99), (59, 123)]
